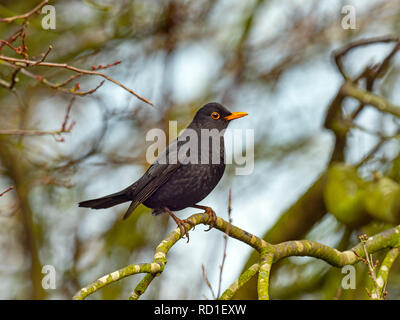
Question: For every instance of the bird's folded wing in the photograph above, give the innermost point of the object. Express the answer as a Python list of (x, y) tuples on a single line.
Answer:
[(154, 178), (157, 174)]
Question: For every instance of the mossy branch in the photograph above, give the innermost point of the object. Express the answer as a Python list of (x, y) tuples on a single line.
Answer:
[(379, 291), (367, 98), (266, 260), (269, 254), (244, 277)]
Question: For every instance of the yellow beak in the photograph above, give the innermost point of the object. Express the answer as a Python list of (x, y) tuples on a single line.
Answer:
[(235, 115)]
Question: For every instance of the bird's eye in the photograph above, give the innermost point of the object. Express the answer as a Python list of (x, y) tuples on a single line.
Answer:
[(215, 115)]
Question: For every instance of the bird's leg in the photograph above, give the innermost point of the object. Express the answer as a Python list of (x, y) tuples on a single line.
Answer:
[(181, 223), (211, 214)]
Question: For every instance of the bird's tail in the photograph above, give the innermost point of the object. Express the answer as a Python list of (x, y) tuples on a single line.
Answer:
[(106, 201)]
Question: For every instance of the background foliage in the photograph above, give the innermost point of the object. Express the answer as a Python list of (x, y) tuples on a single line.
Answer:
[(325, 169)]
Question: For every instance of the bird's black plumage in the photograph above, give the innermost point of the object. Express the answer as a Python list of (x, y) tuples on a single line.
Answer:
[(175, 185)]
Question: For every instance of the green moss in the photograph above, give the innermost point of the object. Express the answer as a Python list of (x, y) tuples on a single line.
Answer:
[(269, 254)]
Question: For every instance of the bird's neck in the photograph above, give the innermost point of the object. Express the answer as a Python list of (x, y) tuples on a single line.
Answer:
[(209, 143)]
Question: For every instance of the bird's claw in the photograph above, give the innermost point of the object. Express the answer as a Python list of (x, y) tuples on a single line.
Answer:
[(192, 224), (183, 228), (212, 217)]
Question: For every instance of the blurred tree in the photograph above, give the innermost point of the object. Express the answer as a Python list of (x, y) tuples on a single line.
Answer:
[(65, 135)]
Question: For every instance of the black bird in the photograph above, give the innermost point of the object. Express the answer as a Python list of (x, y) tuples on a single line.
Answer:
[(184, 173)]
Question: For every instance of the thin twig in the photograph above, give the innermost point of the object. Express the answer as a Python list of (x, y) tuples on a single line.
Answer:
[(44, 55), (27, 63), (66, 118), (226, 235), (340, 53), (7, 190), (368, 260), (14, 35), (207, 281), (57, 86), (14, 78), (56, 134), (25, 15)]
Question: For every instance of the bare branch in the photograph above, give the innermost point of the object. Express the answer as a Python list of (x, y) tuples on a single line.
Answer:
[(340, 53), (25, 15), (7, 190), (203, 269), (226, 235), (57, 134), (26, 63)]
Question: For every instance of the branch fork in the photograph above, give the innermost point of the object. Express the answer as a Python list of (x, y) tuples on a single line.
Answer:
[(269, 254)]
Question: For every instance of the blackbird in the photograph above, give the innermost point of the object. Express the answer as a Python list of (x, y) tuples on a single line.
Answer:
[(184, 173)]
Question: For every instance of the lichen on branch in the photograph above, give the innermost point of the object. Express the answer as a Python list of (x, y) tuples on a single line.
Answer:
[(269, 254)]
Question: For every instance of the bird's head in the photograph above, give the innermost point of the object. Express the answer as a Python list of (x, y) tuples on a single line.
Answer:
[(215, 116)]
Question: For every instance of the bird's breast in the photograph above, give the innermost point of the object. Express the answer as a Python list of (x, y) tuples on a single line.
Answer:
[(188, 185)]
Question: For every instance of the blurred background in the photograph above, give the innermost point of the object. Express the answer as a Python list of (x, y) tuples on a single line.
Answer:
[(271, 59)]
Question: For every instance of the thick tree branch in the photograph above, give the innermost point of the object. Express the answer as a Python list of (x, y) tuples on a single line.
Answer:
[(142, 286), (269, 254), (368, 98), (236, 285), (266, 261), (382, 278)]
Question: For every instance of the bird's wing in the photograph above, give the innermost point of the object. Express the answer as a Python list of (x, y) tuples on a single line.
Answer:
[(157, 174)]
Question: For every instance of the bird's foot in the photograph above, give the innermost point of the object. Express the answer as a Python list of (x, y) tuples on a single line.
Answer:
[(180, 223), (192, 224), (212, 216)]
